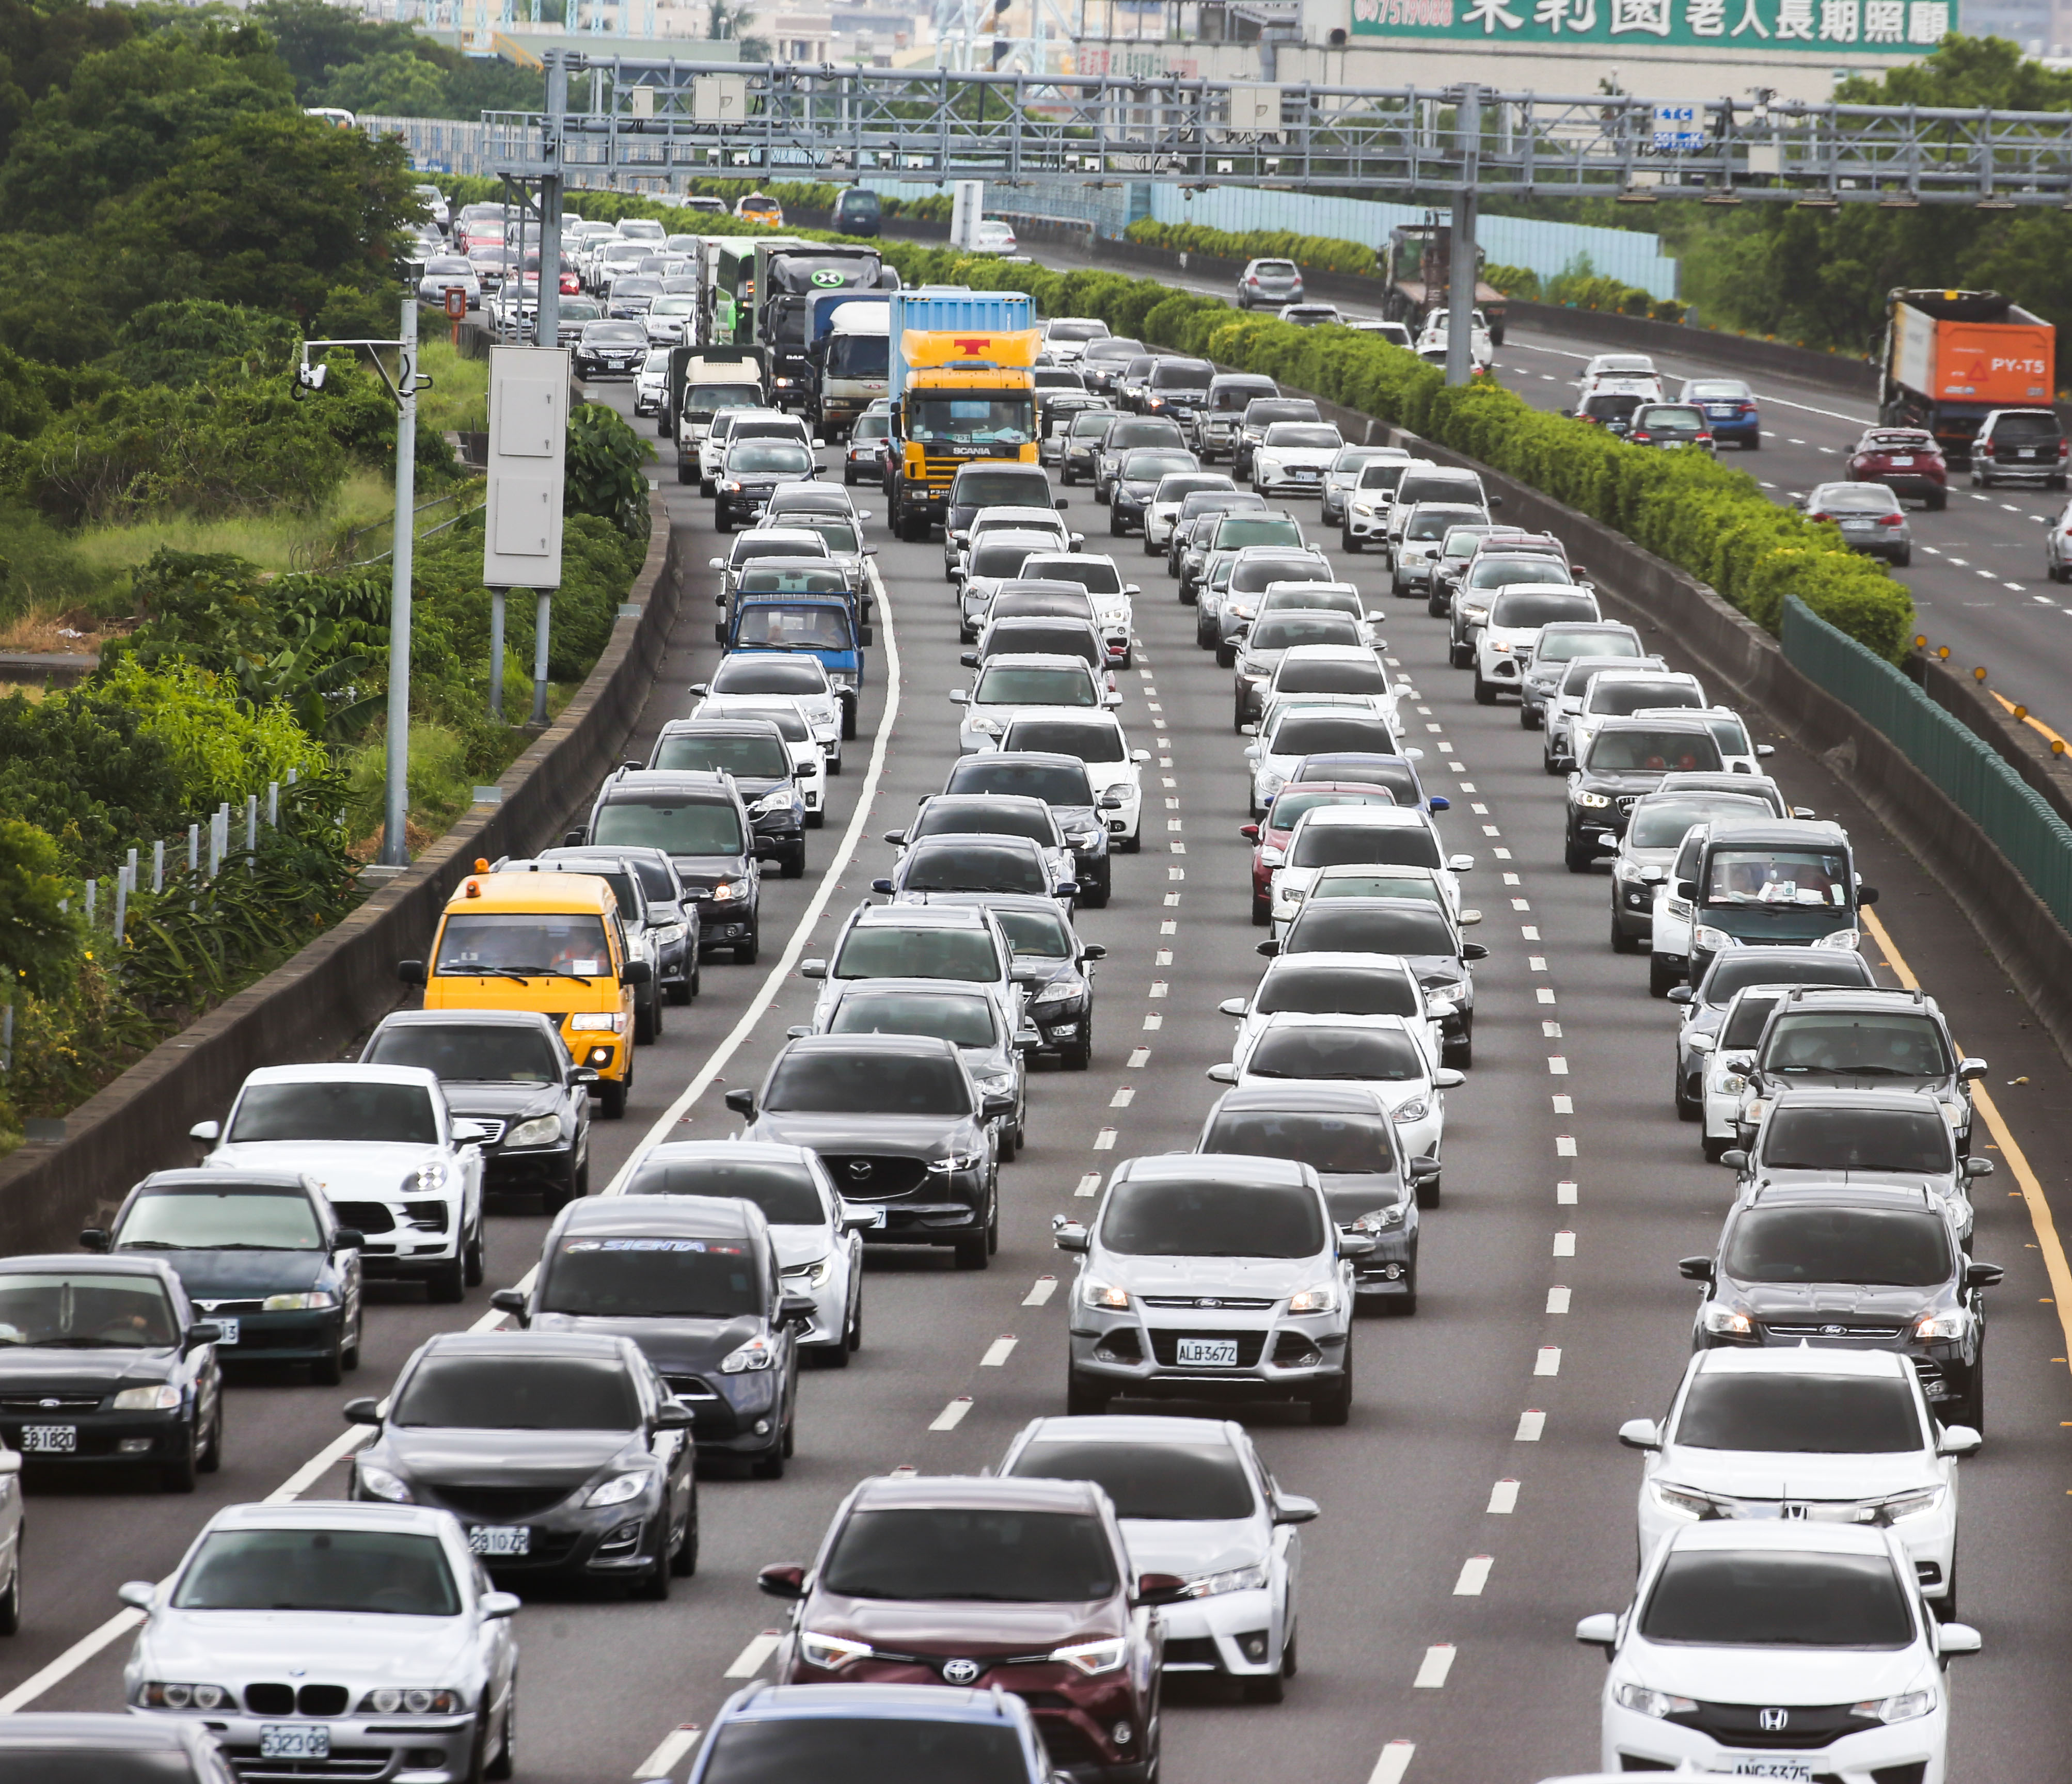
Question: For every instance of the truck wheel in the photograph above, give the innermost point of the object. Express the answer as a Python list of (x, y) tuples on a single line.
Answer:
[(685, 473)]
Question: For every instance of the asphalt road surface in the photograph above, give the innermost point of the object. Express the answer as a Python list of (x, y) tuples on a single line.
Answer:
[(1405, 1672)]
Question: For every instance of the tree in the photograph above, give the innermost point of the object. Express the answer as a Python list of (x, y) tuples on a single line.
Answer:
[(388, 85), (40, 940), (179, 343), (315, 39)]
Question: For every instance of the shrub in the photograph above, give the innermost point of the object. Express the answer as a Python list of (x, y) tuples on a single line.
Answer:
[(604, 474)]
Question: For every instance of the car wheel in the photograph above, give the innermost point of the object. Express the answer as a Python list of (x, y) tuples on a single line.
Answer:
[(1065, 476), (1622, 942), (684, 474), (505, 1764), (1262, 912), (1973, 1412), (1226, 655), (1133, 843), (684, 1562), (795, 863), (1347, 542), (611, 1101), (448, 1282), (1937, 501), (647, 1022), (477, 1767), (1902, 558), (680, 993), (178, 1476), (816, 821), (1334, 1405), (745, 952), (1116, 529), (1528, 717), (471, 1257), (834, 764), (1485, 691), (653, 1586), (1435, 606), (848, 723), (1712, 1148), (1082, 1398), (349, 1356), (10, 1601), (1272, 1689), (1578, 857), (1459, 655), (1663, 972), (329, 1372), (971, 1253), (848, 476), (1151, 550), (1402, 1306), (1460, 1053)]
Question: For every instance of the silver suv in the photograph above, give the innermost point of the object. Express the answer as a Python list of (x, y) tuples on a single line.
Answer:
[(1272, 282)]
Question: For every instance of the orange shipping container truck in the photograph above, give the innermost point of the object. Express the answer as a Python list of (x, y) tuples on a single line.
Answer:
[(1952, 357)]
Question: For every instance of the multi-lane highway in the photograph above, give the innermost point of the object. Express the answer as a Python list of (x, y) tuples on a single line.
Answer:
[(1550, 1308)]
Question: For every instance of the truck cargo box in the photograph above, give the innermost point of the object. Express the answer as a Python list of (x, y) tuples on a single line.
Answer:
[(976, 314)]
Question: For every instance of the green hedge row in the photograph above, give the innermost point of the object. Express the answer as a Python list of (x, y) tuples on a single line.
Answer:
[(1706, 517), (1317, 253)]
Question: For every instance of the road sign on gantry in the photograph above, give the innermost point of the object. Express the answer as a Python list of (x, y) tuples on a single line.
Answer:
[(528, 405)]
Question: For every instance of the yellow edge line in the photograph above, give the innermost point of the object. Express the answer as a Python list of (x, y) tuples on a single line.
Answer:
[(2029, 719), (2018, 1160)]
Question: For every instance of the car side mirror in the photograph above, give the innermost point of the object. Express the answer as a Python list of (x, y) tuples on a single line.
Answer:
[(1111, 699), (572, 839), (1424, 1170), (1438, 802), (362, 1411), (1440, 1008), (960, 697), (673, 1415), (715, 563), (93, 1239), (138, 1594), (969, 659), (1681, 994), (511, 1302), (1971, 1069), (1982, 1275), (798, 1031), (637, 973), (1735, 1158), (1958, 1439), (1979, 1167), (743, 1103), (1766, 749), (795, 1309), (1448, 1078), (1160, 1589), (782, 1581), (1355, 1245), (1295, 1508), (347, 1239), (410, 972), (585, 1075), (203, 1331), (1474, 950), (1695, 1269), (812, 969), (1469, 917), (1652, 876), (1640, 1434), (1234, 1006), (1094, 951), (1955, 1638), (1739, 1062), (1685, 890), (1866, 895), (1599, 1631), (1268, 949), (1248, 729), (1224, 1074), (1140, 755), (882, 885), (498, 1604), (1069, 1235)]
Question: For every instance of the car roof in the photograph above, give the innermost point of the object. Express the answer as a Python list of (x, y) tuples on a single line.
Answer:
[(1299, 654), (470, 1018), (918, 916), (762, 1703), (331, 1515), (683, 783), (1346, 960), (916, 1045), (1856, 1193), (200, 1177), (719, 726), (1864, 997), (1037, 758), (1781, 1537), (1335, 1018), (1012, 801), (1133, 1428), (66, 1730), (1783, 832), (1035, 659), (596, 1346), (696, 1216), (117, 1263), (417, 1075), (845, 988), (1896, 1102), (1365, 817), (950, 1492), (570, 893), (1302, 1097), (1229, 1167)]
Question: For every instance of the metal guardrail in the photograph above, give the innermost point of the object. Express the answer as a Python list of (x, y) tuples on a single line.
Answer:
[(2017, 819)]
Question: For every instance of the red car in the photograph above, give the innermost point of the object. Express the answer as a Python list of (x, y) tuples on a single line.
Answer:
[(1020, 1584), (1272, 831), (1907, 460)]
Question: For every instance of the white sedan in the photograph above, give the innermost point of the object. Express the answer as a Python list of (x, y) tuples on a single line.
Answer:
[(1364, 835), (1009, 688), (1326, 983), (1739, 753), (1310, 724), (1293, 458), (1113, 769), (389, 1156)]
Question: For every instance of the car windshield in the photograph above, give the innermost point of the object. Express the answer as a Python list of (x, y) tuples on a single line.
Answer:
[(1670, 418), (1743, 1027), (1054, 783), (870, 1081), (77, 1310), (953, 865), (1652, 752), (1392, 883), (372, 1573), (1396, 778), (625, 1276), (1461, 491), (1777, 1601), (1618, 696), (615, 334), (1332, 676), (1336, 991), (1332, 1142), (512, 1392), (1283, 630), (1868, 1044), (745, 754), (1429, 524), (1559, 647), (967, 1554), (1853, 498), (1385, 475), (812, 627), (1163, 1481), (1661, 822), (1013, 686), (1240, 529), (758, 672), (1341, 929), (1172, 1217), (784, 1189), (1708, 389), (1777, 875), (1252, 575), (782, 456), (689, 827), (1521, 609), (1347, 845), (888, 951), (965, 1022), (338, 1109), (1289, 806), (1733, 972), (1091, 743), (247, 1218), (908, 1749), (1497, 573), (1799, 1415), (1070, 330), (1312, 734), (1306, 436), (1385, 1055), (2026, 425), (978, 417), (1096, 575), (1885, 1248), (1857, 1140), (710, 399), (1149, 465)]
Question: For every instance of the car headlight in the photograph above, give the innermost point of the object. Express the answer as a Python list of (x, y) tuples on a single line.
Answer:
[(1271, 857), (1289, 895), (1645, 1700), (1727, 1320), (1475, 616), (1097, 1293), (542, 1130), (165, 1398), (1913, 1505), (1234, 1579), (1094, 1657), (1380, 1220), (1680, 1504), (1241, 609), (1365, 510), (1451, 993), (302, 1302), (1713, 941), (164, 1695), (732, 489), (1084, 839), (1904, 1708), (988, 725), (1624, 870), (1591, 802), (758, 1353), (1414, 1110), (1272, 780), (1732, 1084), (607, 1022), (782, 800), (955, 1162), (1498, 646), (814, 1275), (726, 891), (997, 1083), (383, 1485), (666, 933), (1950, 1324), (1841, 938), (415, 1701), (1319, 1297), (616, 1490), (830, 1653), (844, 683), (1056, 994)]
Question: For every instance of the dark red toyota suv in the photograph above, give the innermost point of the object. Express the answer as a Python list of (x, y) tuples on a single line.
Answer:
[(964, 1580)]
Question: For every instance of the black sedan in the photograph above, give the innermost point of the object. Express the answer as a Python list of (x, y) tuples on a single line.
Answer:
[(756, 470), (610, 350), (508, 1078), (1053, 967), (259, 1253), (565, 1456), (1853, 1267), (105, 1359)]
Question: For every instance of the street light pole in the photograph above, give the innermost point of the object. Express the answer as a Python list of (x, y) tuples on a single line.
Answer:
[(395, 847)]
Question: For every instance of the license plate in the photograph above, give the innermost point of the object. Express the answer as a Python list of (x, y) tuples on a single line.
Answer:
[(1855, 526), (1209, 1352), (1898, 463), (1752, 1767), (294, 1740), (500, 1540), (49, 1439), (229, 1330), (2026, 452)]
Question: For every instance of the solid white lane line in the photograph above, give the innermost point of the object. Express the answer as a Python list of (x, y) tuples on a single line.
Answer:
[(951, 1416), (1045, 1287), (997, 1353), (1503, 1499), (753, 1658), (675, 1747), (1531, 1426), (1395, 1760), (73, 1658), (1474, 1576), (1437, 1663)]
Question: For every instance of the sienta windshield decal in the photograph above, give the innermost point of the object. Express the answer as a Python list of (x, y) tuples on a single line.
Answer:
[(704, 1245)]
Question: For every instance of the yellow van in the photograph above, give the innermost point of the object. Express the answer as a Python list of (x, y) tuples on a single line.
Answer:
[(546, 942)]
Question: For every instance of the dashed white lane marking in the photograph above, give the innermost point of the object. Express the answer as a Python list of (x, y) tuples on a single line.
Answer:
[(1168, 927), (1163, 957), (1565, 1244), (1521, 904), (1089, 1183), (1529, 931), (1557, 1066), (1158, 988), (1557, 1300), (1564, 1146), (1511, 879), (1550, 1031), (1139, 1058), (1395, 1760), (1532, 1424), (753, 1658), (674, 1748), (1548, 1361), (1536, 962), (1546, 994), (1799, 443), (1046, 1286), (1474, 1576), (1105, 1141), (997, 1353), (1976, 497), (1122, 1098), (1564, 1195), (1501, 854), (1152, 1023), (1563, 1105), (1503, 1499), (2010, 508), (951, 1416), (1437, 1663)]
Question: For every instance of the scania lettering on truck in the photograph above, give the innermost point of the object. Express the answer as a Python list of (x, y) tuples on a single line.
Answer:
[(962, 389), (852, 361), (704, 381), (790, 277), (1950, 358)]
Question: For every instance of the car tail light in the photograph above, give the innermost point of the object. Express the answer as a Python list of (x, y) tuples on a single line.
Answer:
[(1704, 439), (1891, 519), (1640, 439), (2063, 447), (1816, 517)]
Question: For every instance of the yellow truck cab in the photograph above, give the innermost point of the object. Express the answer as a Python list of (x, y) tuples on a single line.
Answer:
[(546, 942), (963, 395)]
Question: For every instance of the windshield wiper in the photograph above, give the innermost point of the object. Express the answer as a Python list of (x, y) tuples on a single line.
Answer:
[(153, 1245), (483, 973)]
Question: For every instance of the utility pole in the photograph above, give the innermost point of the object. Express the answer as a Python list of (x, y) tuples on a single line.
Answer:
[(548, 313), (395, 848), (1460, 248)]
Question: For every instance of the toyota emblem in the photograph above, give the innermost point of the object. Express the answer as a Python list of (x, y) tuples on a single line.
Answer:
[(961, 1672), (859, 1168), (1774, 1721)]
